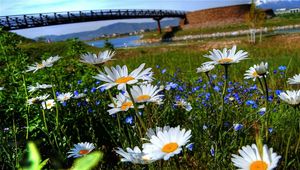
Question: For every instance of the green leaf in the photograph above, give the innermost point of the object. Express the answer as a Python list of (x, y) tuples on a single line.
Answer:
[(43, 163), (34, 157), (87, 162)]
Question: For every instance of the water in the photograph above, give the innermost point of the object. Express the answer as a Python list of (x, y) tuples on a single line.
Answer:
[(286, 31), (132, 41), (128, 41)]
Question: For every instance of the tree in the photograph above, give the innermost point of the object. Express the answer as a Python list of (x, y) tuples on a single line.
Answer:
[(108, 45), (255, 19)]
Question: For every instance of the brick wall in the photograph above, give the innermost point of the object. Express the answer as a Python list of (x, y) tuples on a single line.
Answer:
[(216, 16)]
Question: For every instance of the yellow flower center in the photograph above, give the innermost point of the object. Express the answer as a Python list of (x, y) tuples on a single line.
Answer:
[(170, 147), (258, 165), (225, 60), (83, 152), (48, 104), (126, 105), (124, 79), (143, 98), (254, 74), (40, 66)]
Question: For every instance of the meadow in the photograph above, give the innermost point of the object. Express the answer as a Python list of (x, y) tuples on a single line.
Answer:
[(223, 115)]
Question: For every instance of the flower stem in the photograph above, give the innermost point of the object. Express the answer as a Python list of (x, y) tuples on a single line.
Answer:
[(136, 109), (224, 91), (44, 118), (267, 109)]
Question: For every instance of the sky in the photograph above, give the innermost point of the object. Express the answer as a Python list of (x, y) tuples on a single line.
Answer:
[(14, 7)]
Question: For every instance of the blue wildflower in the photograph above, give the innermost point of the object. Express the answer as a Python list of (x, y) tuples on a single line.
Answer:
[(250, 102), (97, 82), (93, 90), (97, 102), (64, 104), (212, 151), (76, 93), (163, 71), (129, 120), (79, 81), (282, 68), (190, 146), (277, 92), (237, 127), (217, 88), (270, 130)]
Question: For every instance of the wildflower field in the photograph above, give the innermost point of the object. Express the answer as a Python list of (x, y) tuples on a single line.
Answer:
[(218, 104)]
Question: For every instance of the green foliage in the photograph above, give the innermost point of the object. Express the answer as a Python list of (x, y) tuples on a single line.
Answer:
[(75, 47), (34, 158), (87, 162), (108, 45)]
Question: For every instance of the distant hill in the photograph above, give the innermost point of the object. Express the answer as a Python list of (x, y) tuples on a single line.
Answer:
[(281, 4), (119, 28)]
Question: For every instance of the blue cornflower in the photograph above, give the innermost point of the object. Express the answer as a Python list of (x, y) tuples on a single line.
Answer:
[(129, 120), (237, 127), (163, 71), (79, 81), (275, 71), (212, 151), (250, 102), (190, 146), (270, 130), (277, 92), (157, 66), (282, 68), (93, 90), (102, 89), (97, 102), (97, 82), (254, 87), (177, 97), (57, 93), (76, 93), (64, 103), (217, 88), (180, 88)]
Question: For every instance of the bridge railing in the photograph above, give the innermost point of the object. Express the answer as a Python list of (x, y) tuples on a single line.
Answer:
[(45, 19)]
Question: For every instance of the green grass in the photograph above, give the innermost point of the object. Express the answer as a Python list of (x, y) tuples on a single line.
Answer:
[(280, 20)]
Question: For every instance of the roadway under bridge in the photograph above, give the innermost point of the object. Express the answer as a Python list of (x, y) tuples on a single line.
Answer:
[(15, 22)]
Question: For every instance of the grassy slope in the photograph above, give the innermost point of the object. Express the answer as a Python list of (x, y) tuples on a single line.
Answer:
[(280, 20)]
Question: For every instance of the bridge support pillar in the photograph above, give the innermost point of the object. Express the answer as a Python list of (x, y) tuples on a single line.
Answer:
[(157, 19)]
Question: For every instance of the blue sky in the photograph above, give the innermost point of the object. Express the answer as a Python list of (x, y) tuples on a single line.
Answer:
[(13, 7)]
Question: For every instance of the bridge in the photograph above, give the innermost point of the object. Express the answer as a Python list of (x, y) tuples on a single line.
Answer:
[(15, 22)]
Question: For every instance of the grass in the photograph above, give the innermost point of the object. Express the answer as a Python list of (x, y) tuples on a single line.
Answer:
[(87, 119), (280, 20)]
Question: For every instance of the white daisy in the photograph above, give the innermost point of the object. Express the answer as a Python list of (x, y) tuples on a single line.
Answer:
[(294, 80), (81, 149), (291, 97), (261, 69), (226, 57), (205, 68), (146, 93), (80, 95), (135, 156), (102, 57), (251, 73), (183, 104), (38, 99), (48, 104), (45, 63), (64, 97), (119, 76), (37, 87), (166, 143), (121, 103), (251, 159)]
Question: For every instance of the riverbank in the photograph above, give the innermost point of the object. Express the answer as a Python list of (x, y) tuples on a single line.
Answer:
[(236, 33)]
